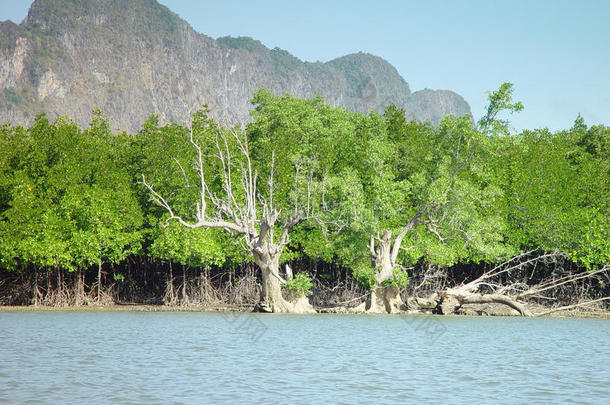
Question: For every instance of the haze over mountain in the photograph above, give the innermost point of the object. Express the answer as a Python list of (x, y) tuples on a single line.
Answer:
[(132, 58)]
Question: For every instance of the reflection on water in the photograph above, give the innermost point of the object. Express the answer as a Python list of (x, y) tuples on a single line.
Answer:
[(148, 358)]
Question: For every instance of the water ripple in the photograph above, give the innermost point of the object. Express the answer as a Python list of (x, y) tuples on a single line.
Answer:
[(192, 358)]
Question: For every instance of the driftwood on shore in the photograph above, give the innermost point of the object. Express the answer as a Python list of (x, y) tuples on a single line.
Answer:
[(492, 288)]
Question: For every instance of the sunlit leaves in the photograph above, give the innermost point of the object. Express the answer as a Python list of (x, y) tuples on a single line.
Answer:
[(70, 197), (70, 204), (194, 247), (499, 101)]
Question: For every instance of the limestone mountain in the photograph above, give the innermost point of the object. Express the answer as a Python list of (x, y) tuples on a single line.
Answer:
[(131, 58)]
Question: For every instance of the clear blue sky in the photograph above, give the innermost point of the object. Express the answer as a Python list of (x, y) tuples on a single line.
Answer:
[(557, 53)]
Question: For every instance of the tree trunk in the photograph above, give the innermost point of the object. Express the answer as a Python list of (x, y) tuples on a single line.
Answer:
[(203, 287), (59, 283), (184, 296), (46, 299), (79, 298), (289, 274), (36, 292), (271, 294), (384, 299), (60, 299), (99, 282), (169, 297), (453, 299)]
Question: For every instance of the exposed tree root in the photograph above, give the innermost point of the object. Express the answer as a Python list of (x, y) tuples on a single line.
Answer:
[(384, 300), (568, 307), (453, 299), (299, 306)]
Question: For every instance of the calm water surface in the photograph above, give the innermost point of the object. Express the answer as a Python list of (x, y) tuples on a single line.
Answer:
[(197, 358)]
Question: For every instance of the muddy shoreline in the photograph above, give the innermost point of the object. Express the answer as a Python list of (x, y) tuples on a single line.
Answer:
[(576, 313)]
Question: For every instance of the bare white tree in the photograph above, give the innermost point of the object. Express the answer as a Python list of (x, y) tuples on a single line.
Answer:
[(239, 208)]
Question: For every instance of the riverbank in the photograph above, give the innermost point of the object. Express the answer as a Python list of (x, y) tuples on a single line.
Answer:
[(469, 311)]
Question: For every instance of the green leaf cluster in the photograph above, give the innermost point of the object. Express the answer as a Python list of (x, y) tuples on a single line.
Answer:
[(300, 285)]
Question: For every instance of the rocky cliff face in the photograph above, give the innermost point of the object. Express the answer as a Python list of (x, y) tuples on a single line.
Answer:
[(131, 58)]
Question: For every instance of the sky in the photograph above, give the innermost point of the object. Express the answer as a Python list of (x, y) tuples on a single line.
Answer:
[(555, 52)]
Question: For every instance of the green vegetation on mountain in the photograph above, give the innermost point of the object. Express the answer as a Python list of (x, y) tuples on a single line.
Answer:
[(133, 58), (249, 44)]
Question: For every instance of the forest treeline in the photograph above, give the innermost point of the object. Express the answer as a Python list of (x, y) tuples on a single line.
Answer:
[(348, 200)]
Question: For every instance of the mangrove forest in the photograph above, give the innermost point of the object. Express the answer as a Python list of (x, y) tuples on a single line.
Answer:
[(307, 207)]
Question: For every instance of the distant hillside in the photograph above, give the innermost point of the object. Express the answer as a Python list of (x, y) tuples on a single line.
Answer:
[(131, 58)]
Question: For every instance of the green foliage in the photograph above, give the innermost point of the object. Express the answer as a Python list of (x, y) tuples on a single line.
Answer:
[(67, 202), (558, 194), (368, 76), (400, 278), (284, 59), (300, 285), (192, 247), (281, 58), (305, 140), (165, 157), (499, 101), (70, 198), (247, 43), (595, 140), (364, 274), (351, 66)]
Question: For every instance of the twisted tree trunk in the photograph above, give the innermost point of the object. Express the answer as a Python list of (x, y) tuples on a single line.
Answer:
[(383, 298), (253, 215), (271, 293)]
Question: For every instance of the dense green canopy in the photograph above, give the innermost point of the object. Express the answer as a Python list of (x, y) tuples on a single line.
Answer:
[(71, 198)]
